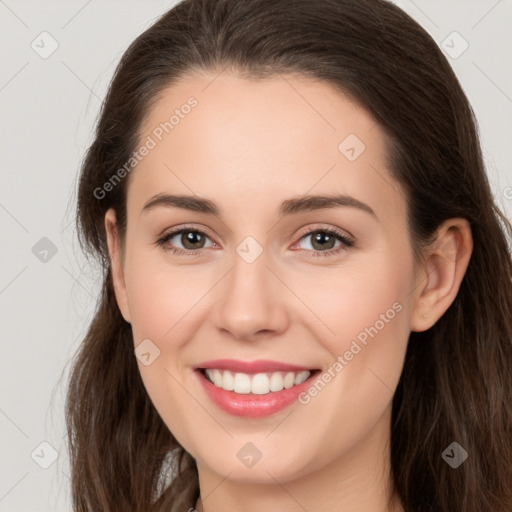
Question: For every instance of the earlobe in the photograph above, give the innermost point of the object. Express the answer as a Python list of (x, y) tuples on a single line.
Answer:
[(445, 266), (116, 263)]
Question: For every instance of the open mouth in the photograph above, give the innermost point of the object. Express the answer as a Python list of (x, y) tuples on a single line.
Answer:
[(256, 383)]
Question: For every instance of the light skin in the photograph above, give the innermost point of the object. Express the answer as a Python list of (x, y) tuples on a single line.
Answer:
[(248, 146)]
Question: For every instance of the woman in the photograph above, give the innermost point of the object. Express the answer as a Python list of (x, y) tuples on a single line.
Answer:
[(306, 300)]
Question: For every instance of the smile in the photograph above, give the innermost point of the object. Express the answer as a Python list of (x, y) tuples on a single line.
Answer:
[(259, 384), (253, 389)]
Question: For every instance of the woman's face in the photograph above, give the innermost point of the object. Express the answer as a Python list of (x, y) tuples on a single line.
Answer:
[(326, 285)]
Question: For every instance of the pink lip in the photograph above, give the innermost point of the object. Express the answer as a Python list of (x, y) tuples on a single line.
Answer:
[(251, 367), (251, 405)]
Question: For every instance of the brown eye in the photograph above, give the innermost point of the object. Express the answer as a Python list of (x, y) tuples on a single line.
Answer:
[(192, 239), (322, 240), (184, 241)]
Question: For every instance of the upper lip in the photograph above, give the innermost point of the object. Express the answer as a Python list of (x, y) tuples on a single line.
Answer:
[(259, 366)]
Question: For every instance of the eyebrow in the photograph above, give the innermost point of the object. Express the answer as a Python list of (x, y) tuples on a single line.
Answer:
[(290, 206)]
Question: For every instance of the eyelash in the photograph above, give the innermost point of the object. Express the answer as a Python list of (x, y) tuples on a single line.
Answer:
[(346, 241)]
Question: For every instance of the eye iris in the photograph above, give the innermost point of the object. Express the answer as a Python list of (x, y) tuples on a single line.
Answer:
[(317, 239), (189, 238)]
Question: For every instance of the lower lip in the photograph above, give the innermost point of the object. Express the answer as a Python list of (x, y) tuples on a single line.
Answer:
[(251, 405)]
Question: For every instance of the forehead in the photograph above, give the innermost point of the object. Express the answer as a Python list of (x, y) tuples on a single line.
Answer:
[(216, 134), (225, 104)]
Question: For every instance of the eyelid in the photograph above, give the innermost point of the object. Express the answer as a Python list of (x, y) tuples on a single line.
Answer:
[(191, 227)]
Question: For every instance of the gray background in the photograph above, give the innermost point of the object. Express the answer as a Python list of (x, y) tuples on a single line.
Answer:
[(48, 108)]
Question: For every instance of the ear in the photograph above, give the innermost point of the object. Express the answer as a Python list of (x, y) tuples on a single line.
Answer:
[(445, 265), (116, 263)]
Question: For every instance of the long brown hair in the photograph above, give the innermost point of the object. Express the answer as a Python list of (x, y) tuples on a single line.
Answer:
[(456, 384)]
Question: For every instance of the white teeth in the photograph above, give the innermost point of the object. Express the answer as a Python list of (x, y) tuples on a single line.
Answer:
[(242, 383), (276, 382), (301, 377), (227, 382), (217, 378), (289, 380), (259, 383)]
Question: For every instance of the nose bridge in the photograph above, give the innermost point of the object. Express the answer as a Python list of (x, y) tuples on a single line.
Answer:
[(251, 301)]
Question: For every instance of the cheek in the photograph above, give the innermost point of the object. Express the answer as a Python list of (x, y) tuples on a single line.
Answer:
[(160, 296), (369, 317), (365, 312), (361, 300)]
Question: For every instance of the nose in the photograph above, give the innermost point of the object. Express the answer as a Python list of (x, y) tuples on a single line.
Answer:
[(252, 301)]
